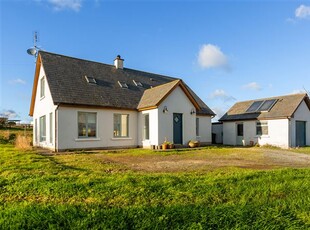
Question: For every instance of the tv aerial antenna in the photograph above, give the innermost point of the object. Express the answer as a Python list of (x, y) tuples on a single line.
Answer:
[(33, 51)]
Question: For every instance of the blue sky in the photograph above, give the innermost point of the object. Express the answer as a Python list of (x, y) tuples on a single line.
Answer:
[(226, 51)]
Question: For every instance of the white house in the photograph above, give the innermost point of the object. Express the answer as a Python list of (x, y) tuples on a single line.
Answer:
[(282, 121), (81, 104)]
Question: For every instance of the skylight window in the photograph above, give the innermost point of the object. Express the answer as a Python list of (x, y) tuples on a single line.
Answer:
[(90, 80), (137, 83), (123, 85), (261, 106)]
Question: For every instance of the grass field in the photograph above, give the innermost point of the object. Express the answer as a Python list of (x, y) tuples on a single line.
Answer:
[(78, 191)]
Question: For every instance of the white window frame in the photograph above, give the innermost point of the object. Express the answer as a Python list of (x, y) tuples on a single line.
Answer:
[(42, 87), (263, 126), (197, 126), (87, 124), (115, 134), (146, 126), (42, 128)]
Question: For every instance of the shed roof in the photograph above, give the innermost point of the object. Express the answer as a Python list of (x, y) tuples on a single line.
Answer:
[(284, 107)]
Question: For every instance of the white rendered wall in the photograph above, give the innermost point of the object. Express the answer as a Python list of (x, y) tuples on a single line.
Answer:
[(205, 126), (176, 102), (277, 133), (302, 114), (43, 106), (68, 129)]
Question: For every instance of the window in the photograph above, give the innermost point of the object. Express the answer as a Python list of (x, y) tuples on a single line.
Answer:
[(137, 83), (87, 125), (42, 87), (262, 128), (91, 80), (123, 85), (146, 127), (197, 126), (121, 125), (42, 128), (36, 130), (240, 130), (51, 128)]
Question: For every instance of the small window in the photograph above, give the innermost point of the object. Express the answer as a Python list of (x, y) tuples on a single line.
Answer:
[(51, 128), (261, 128), (42, 87), (91, 80), (197, 126), (240, 130), (123, 85), (121, 124), (42, 128), (137, 83), (87, 125), (146, 127)]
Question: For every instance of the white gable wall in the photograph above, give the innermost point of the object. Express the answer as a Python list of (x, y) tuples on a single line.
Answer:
[(176, 102), (301, 114), (68, 129), (43, 107)]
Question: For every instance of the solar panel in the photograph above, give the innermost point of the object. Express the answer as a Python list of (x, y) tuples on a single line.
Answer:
[(255, 105), (266, 106), (91, 80)]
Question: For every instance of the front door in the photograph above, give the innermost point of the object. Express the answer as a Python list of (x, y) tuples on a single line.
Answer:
[(239, 134), (300, 133), (177, 128)]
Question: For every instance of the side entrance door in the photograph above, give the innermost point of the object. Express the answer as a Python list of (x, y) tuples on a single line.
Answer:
[(239, 140), (300, 133), (177, 128)]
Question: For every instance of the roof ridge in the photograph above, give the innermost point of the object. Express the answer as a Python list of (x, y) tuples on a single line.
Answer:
[(275, 97)]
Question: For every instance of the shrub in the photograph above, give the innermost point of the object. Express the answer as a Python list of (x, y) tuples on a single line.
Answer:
[(23, 142)]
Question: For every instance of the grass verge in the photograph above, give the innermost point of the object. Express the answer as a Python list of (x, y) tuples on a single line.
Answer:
[(79, 192)]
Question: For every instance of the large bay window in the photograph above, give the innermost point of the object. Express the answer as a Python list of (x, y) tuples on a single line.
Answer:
[(87, 125), (121, 125)]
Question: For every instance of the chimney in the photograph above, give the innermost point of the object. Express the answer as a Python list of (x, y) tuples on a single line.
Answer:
[(119, 62)]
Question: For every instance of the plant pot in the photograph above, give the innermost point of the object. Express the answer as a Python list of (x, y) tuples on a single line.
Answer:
[(164, 146), (191, 144), (171, 146)]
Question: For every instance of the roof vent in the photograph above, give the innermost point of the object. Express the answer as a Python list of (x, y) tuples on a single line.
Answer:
[(119, 62)]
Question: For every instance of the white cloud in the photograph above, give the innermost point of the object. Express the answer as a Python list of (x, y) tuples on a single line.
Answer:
[(59, 5), (222, 95), (297, 91), (17, 81), (211, 56), (252, 86), (302, 12), (10, 114)]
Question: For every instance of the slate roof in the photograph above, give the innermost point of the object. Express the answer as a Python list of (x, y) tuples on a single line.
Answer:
[(284, 107), (66, 79)]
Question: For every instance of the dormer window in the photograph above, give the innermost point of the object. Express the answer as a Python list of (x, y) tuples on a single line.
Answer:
[(123, 84), (137, 83), (91, 80), (42, 87)]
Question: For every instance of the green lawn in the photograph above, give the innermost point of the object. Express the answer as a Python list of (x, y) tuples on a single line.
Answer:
[(78, 191)]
